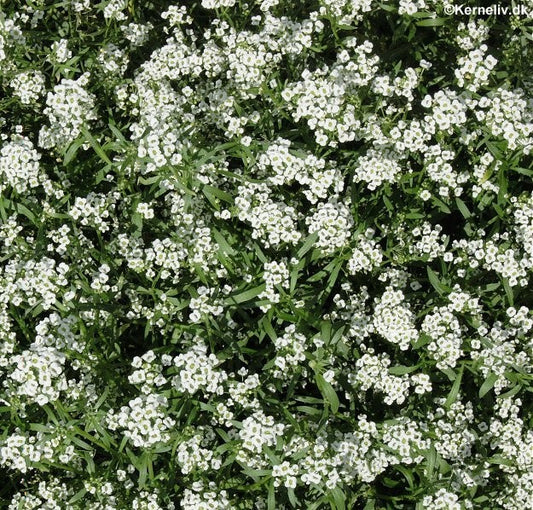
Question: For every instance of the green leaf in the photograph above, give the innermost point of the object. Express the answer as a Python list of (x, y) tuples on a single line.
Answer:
[(309, 410), (523, 171), (463, 208), (222, 243), (333, 278), (245, 296), (434, 280), (488, 384), (339, 498), (508, 291), (423, 339), (401, 370), (431, 461), (512, 392), (407, 474), (442, 206), (293, 499), (69, 154), (452, 396), (22, 209), (78, 495), (327, 392), (500, 460), (96, 146), (433, 22), (308, 244), (370, 505), (222, 195), (271, 499)]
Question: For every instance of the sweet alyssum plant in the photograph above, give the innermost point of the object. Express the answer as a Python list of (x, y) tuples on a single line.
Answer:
[(265, 255)]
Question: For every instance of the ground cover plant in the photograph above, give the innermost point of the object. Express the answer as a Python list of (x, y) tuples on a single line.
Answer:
[(266, 255)]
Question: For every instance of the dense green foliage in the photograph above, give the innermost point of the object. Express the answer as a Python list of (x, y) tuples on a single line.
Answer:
[(265, 255)]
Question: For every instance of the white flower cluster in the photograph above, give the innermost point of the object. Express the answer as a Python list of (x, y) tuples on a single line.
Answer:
[(69, 107), (446, 336), (431, 243), (197, 371), (19, 165), (367, 254), (332, 221), (137, 34), (377, 167), (321, 96), (523, 218), (475, 69), (275, 273), (34, 282), (20, 452), (38, 375), (114, 10), (28, 86), (405, 438), (143, 421), (509, 114), (442, 500), (290, 351), (442, 173), (113, 60), (200, 497), (94, 210), (455, 438), (60, 52), (493, 256), (147, 373), (225, 239), (51, 493), (258, 430), (372, 372), (273, 222), (346, 11), (393, 320), (204, 305), (191, 456), (281, 167)]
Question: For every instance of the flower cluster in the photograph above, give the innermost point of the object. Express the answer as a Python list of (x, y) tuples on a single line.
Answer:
[(265, 255)]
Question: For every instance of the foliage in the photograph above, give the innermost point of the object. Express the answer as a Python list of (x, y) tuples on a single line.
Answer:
[(265, 255)]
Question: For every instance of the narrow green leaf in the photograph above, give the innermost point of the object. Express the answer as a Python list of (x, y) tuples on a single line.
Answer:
[(523, 171), (292, 498), (308, 244), (452, 396), (512, 392), (401, 370), (435, 282), (339, 498), (222, 195), (73, 148), (463, 208), (222, 243), (488, 384), (96, 146), (431, 460), (329, 394), (508, 291), (309, 410), (271, 499), (22, 209), (78, 495), (245, 296), (433, 22)]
